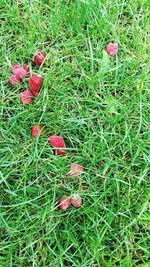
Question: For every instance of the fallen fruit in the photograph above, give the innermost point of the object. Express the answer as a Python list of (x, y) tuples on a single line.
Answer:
[(76, 201), (39, 58), (20, 70), (14, 80), (20, 73), (36, 130), (26, 97), (112, 49), (60, 152), (76, 170), (15, 67), (26, 68), (64, 203), (35, 84), (57, 141)]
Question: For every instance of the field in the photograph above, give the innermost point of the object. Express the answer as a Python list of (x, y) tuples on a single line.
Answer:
[(99, 104)]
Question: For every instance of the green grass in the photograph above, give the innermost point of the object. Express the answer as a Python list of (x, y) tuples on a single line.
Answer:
[(99, 104)]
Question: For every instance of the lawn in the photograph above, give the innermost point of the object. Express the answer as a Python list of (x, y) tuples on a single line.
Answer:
[(99, 104)]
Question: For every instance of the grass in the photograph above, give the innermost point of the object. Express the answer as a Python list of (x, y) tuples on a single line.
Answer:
[(99, 104)]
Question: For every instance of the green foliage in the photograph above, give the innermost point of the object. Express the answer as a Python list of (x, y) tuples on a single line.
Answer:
[(99, 104)]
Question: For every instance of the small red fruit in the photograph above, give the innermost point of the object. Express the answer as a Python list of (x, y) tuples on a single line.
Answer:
[(76, 201), (57, 141), (20, 70), (39, 58), (112, 49), (76, 170), (36, 130), (14, 80), (20, 73), (26, 97), (26, 68), (64, 203), (35, 84), (15, 67), (60, 152)]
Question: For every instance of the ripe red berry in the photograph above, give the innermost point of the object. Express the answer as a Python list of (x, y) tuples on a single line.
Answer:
[(35, 84), (36, 130), (57, 141), (60, 152), (76, 201), (26, 97), (76, 170), (112, 49), (14, 80), (39, 58), (64, 203)]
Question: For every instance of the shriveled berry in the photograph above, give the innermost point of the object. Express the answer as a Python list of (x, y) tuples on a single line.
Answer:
[(39, 58), (36, 130), (76, 170), (20, 73), (35, 84), (20, 70), (112, 49), (14, 80), (26, 97), (76, 201), (57, 141), (64, 203)]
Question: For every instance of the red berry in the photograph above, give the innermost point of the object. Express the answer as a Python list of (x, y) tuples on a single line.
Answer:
[(64, 203), (60, 152), (20, 73), (76, 201), (57, 141), (26, 97), (76, 170), (26, 68), (14, 80), (36, 130), (20, 70), (112, 49), (35, 84), (39, 58)]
